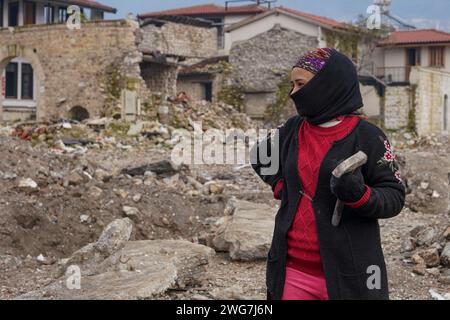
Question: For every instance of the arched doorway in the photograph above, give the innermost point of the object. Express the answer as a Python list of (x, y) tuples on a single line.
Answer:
[(22, 81), (78, 113)]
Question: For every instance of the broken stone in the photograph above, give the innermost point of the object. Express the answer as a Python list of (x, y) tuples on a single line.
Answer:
[(74, 179), (446, 234), (102, 175), (408, 245), (248, 234), (95, 192), (445, 255), (427, 236), (130, 211), (215, 188), (141, 270), (427, 176), (137, 197), (430, 257), (115, 235), (420, 265), (84, 218), (28, 184), (135, 129), (40, 258), (445, 277), (121, 193)]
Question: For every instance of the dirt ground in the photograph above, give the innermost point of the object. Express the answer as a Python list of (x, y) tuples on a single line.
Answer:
[(67, 211)]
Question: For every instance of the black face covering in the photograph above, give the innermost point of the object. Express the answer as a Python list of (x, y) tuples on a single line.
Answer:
[(332, 92)]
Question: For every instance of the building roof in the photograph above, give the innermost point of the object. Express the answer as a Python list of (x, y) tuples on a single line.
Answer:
[(413, 37), (208, 10), (319, 20), (92, 5)]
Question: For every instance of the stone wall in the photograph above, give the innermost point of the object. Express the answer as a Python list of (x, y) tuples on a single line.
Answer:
[(180, 40), (87, 67), (397, 106), (161, 78), (262, 62), (431, 87)]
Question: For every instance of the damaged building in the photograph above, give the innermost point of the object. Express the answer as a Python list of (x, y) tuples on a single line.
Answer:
[(246, 34), (52, 71), (415, 68)]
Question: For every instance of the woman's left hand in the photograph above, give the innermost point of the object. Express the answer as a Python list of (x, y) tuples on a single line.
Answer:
[(350, 187)]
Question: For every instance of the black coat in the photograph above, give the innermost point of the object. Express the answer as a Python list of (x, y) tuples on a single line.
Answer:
[(351, 253)]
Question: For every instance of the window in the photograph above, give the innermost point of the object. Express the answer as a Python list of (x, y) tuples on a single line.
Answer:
[(19, 81), (62, 14), (11, 90), (413, 56), (207, 89), (49, 14), (29, 13), (27, 81), (97, 15), (437, 57), (13, 14)]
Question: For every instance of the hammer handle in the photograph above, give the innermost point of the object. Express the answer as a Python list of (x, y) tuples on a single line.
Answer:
[(337, 214)]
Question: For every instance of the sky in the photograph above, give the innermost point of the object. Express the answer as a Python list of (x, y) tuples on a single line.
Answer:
[(426, 13)]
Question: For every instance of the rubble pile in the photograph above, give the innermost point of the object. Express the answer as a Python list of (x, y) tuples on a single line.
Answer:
[(428, 249), (105, 196)]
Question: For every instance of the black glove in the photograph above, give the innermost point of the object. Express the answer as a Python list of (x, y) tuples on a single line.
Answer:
[(350, 187)]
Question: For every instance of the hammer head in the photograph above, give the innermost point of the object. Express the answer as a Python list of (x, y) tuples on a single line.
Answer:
[(350, 164)]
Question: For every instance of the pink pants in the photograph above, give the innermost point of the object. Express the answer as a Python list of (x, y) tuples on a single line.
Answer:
[(302, 286)]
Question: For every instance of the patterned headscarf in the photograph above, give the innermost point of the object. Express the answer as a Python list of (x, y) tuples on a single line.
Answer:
[(313, 61)]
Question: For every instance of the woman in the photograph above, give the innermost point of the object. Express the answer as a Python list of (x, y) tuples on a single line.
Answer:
[(310, 259)]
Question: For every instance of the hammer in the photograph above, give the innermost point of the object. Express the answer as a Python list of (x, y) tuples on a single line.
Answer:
[(347, 166)]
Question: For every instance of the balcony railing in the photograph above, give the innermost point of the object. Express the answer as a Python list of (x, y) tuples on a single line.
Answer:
[(392, 75)]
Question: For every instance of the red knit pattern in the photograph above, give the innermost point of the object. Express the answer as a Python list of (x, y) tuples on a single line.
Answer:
[(314, 143)]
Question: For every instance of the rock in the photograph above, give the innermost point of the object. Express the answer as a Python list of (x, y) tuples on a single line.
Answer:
[(74, 179), (248, 234), (102, 175), (9, 262), (427, 176), (114, 237), (130, 211), (427, 236), (141, 270), (435, 295), (445, 255), (137, 197), (416, 230), (41, 258), (433, 271), (121, 193), (135, 129), (163, 168), (445, 277), (215, 188), (408, 245), (420, 265), (27, 184), (233, 293), (430, 257), (95, 192), (446, 234), (84, 218)]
